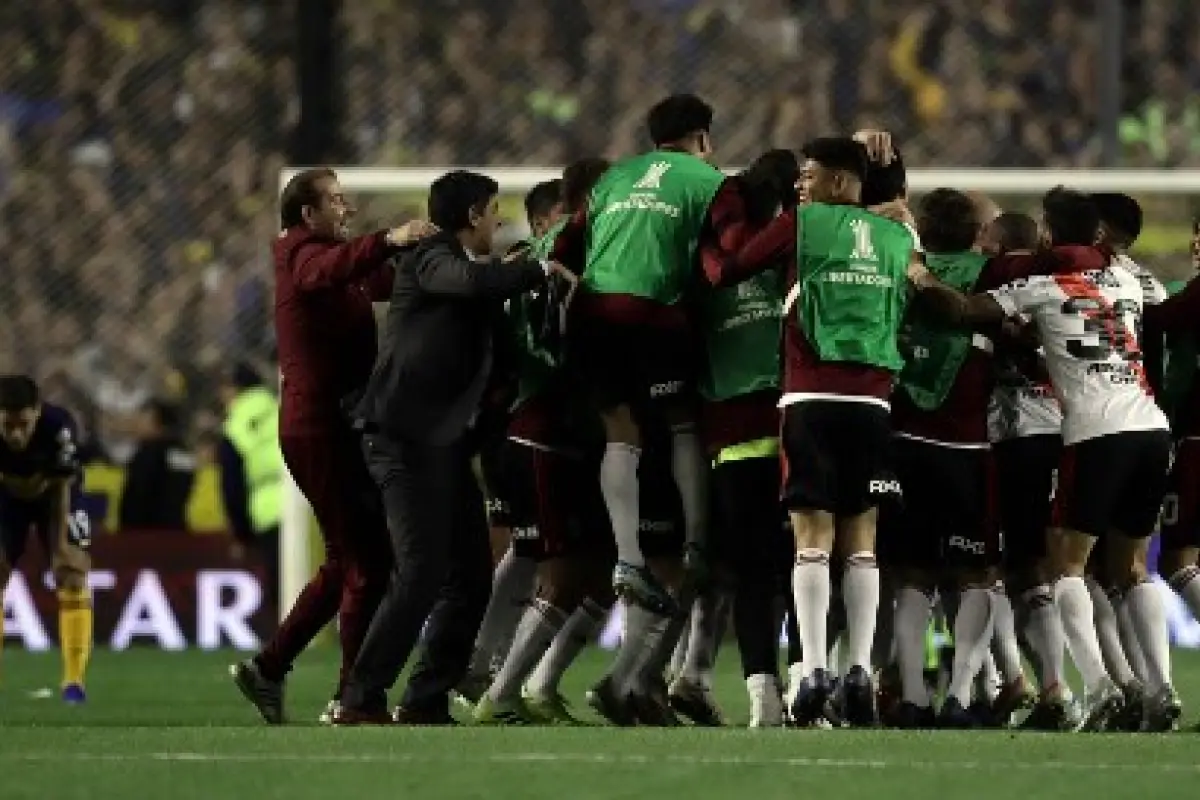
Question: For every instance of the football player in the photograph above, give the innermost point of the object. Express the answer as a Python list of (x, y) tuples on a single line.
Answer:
[(40, 492)]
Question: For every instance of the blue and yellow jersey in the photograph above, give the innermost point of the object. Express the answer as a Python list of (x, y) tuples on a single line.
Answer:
[(50, 457)]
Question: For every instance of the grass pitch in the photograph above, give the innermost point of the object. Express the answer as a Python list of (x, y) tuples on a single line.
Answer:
[(171, 725)]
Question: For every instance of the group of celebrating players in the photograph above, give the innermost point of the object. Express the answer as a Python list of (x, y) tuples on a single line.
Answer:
[(959, 409), (962, 409)]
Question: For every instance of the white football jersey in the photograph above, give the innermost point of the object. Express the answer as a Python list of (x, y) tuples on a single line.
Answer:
[(1021, 407), (1089, 324)]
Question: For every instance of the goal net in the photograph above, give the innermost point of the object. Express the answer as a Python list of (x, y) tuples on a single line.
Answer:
[(384, 197)]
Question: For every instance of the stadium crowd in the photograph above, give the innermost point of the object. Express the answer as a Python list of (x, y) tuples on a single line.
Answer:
[(140, 142)]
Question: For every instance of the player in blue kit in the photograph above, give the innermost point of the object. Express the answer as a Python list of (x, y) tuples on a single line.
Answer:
[(40, 492)]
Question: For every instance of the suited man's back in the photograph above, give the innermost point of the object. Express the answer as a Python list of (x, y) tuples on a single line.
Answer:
[(436, 352)]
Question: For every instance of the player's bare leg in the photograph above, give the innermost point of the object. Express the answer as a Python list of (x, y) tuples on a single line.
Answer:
[(1103, 699), (814, 532), (1128, 575), (1183, 574)]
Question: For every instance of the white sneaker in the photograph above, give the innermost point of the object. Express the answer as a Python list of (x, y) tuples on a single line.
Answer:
[(330, 711), (766, 705)]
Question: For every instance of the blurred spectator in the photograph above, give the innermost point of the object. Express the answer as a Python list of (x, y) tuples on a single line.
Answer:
[(141, 142), (159, 477), (252, 470)]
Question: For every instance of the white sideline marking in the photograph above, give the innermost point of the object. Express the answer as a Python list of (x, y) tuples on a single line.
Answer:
[(593, 758)]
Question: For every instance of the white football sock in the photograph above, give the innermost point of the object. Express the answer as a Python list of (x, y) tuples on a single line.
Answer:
[(654, 657), (1004, 638), (883, 646), (987, 680), (578, 632), (679, 654), (1186, 583), (1044, 632), (1130, 644), (513, 584), (1105, 618), (636, 637), (1149, 619), (690, 468), (619, 485), (1078, 621), (860, 598), (914, 609), (703, 636), (810, 588), (972, 637), (540, 624)]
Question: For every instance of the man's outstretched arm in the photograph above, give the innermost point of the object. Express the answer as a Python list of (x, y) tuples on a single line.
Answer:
[(770, 247), (954, 307)]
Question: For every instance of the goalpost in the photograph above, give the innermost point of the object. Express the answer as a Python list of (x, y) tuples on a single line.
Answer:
[(296, 565)]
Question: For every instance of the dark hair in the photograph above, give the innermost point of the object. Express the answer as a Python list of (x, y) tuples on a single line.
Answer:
[(840, 153), (1071, 216), (884, 184), (947, 222), (166, 413), (1121, 214), (1015, 231), (455, 195), (677, 117), (18, 392), (542, 198), (579, 178), (769, 182), (300, 192), (244, 376)]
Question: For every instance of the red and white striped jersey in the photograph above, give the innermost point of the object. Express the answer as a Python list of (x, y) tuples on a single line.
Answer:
[(1088, 323)]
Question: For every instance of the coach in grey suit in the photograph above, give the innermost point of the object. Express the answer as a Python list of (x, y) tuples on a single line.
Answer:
[(417, 415)]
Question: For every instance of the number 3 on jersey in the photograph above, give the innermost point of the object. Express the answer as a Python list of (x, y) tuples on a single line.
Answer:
[(1105, 329)]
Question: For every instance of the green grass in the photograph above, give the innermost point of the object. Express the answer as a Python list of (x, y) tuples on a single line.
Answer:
[(163, 725)]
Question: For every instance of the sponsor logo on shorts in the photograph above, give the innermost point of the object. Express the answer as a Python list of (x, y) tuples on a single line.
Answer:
[(526, 534), (968, 545), (666, 389), (655, 526), (887, 487)]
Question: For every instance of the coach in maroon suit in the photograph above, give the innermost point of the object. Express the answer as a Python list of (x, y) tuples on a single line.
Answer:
[(325, 283)]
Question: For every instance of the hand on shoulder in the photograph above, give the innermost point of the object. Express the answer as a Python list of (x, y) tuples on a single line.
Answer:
[(411, 232)]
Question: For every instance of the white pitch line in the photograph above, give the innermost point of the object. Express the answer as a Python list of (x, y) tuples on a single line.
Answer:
[(606, 759)]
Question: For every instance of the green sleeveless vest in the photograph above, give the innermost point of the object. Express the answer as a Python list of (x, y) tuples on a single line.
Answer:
[(1182, 363), (644, 219), (849, 295), (938, 351), (535, 363), (252, 427), (742, 332)]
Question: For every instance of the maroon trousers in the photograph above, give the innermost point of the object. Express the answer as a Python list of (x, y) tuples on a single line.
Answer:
[(329, 469)]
